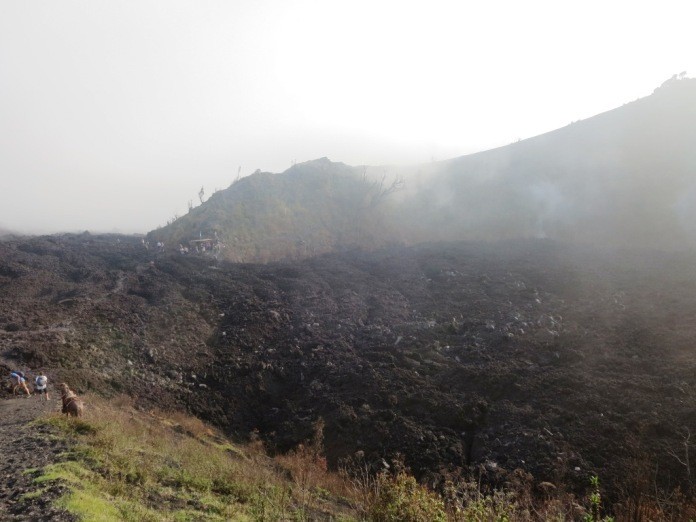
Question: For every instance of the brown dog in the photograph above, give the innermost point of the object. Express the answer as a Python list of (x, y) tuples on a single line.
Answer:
[(72, 404)]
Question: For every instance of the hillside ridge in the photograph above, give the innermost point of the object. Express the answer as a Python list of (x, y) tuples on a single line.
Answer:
[(623, 177)]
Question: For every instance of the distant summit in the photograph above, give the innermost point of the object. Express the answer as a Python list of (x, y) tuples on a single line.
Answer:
[(314, 207), (625, 177)]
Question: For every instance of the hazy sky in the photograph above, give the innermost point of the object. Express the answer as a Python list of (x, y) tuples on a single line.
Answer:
[(113, 114)]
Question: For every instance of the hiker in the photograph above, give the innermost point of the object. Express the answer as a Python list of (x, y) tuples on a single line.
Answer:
[(41, 385), (72, 405), (17, 378)]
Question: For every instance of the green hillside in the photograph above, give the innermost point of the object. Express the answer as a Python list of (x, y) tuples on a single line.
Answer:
[(314, 207)]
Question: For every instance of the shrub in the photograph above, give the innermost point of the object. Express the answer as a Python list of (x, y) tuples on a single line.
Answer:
[(596, 503), (401, 498), (467, 503)]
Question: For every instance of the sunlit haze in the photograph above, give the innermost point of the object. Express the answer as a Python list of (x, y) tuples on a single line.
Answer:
[(114, 114)]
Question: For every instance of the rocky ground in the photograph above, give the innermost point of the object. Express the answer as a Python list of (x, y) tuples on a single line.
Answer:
[(25, 448), (460, 358)]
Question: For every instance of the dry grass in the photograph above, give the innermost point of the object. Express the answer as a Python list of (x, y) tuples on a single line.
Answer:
[(313, 483), (134, 465), (172, 466)]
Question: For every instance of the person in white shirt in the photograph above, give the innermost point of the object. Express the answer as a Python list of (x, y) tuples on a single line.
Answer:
[(41, 385)]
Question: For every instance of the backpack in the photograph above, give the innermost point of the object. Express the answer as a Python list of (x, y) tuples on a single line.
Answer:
[(41, 380)]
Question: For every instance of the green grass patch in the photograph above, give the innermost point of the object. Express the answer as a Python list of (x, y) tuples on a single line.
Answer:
[(88, 504), (32, 494), (130, 465), (69, 425)]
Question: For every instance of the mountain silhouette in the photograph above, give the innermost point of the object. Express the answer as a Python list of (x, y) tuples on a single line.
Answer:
[(624, 177)]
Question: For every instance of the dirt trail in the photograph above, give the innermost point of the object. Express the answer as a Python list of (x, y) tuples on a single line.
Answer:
[(24, 450)]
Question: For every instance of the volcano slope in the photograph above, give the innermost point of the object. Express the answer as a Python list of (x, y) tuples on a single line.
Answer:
[(458, 358)]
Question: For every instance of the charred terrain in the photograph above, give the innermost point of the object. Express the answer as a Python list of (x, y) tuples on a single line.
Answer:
[(462, 358)]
